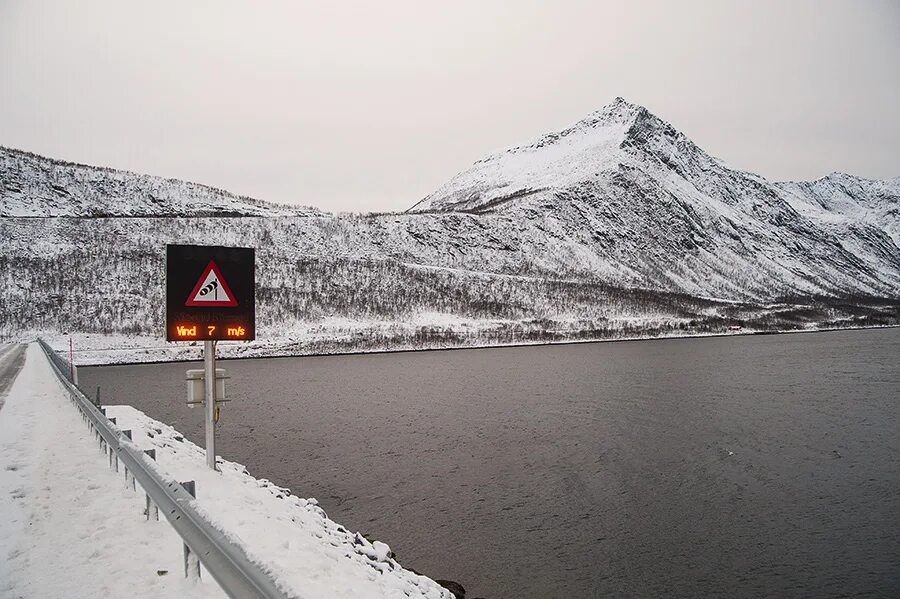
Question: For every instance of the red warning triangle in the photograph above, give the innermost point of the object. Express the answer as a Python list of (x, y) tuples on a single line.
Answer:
[(211, 290)]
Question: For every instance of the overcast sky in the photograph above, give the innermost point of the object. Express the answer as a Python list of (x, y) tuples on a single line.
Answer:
[(368, 106)]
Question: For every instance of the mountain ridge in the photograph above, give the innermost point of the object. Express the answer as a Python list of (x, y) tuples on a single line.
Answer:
[(32, 185), (640, 122)]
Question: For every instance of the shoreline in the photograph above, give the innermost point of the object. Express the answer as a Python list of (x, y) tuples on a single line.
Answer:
[(747, 333)]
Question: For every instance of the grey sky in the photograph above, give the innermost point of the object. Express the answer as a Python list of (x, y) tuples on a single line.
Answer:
[(371, 105)]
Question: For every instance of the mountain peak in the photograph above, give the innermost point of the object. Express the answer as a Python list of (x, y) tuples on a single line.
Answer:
[(618, 112), (637, 124), (590, 149), (618, 119), (620, 105)]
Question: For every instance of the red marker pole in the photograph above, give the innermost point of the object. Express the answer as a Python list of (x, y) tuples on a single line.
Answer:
[(71, 362)]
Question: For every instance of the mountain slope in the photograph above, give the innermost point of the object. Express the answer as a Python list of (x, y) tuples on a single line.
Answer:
[(640, 194), (842, 199), (35, 186)]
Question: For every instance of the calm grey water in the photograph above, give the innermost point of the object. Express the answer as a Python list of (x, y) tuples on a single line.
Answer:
[(733, 467)]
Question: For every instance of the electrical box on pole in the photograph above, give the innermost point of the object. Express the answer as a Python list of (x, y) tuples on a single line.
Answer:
[(196, 387)]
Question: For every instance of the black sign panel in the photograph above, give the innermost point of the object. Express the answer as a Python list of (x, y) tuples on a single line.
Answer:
[(210, 293)]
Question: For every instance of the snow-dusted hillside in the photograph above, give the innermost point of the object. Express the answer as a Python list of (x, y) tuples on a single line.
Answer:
[(615, 227), (31, 185)]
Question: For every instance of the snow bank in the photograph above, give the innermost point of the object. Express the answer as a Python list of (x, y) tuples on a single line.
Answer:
[(291, 537)]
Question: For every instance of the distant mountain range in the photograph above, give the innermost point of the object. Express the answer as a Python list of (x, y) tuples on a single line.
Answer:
[(616, 226)]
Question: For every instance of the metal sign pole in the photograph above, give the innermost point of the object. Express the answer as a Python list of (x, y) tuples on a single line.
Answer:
[(209, 364)]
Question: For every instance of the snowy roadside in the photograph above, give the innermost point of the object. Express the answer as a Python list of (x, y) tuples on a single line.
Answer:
[(341, 337), (291, 537), (70, 526), (336, 336)]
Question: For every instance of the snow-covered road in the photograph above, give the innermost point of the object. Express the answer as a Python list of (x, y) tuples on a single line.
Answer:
[(12, 357)]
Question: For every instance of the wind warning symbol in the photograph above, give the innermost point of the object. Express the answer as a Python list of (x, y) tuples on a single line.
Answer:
[(211, 290)]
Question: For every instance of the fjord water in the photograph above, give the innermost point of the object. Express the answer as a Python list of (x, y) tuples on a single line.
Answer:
[(733, 467)]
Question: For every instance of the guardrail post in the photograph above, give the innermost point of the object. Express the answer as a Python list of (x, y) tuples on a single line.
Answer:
[(129, 477), (127, 434), (191, 562), (151, 507)]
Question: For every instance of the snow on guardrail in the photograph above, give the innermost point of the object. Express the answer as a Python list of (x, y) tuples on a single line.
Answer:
[(226, 561)]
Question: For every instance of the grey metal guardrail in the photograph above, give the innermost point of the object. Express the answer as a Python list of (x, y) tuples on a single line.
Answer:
[(223, 559)]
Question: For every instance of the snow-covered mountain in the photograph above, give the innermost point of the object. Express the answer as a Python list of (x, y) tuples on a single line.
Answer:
[(616, 226), (33, 186), (638, 194), (840, 200)]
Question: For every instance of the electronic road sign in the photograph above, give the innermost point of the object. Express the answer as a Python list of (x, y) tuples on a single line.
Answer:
[(210, 293)]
